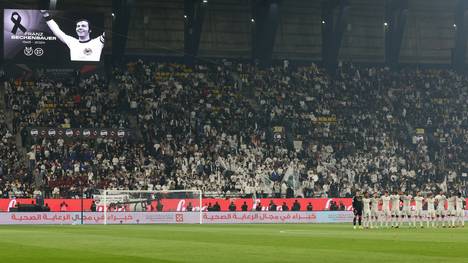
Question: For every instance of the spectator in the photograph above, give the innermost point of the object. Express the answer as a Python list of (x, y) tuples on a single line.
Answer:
[(272, 206), (342, 207), (232, 207), (216, 207), (244, 207), (296, 206), (159, 206), (258, 208), (93, 206), (189, 207)]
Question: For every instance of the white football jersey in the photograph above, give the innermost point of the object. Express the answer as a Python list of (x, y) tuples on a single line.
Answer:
[(459, 201), (375, 203), (385, 202), (419, 202), (395, 202), (441, 201), (451, 203), (406, 200), (430, 203), (366, 202), (85, 51)]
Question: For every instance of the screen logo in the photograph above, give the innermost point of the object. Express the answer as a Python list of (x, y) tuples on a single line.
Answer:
[(38, 52), (28, 51)]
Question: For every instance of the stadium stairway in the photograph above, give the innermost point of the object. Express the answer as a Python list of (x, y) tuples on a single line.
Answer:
[(9, 116), (2, 98), (133, 125), (3, 109), (131, 116)]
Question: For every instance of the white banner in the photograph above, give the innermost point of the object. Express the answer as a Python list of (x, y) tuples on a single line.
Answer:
[(69, 218)]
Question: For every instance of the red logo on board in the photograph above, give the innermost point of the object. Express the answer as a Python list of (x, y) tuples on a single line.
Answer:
[(179, 218)]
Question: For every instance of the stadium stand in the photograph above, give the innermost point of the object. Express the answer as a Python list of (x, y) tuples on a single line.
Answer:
[(238, 130)]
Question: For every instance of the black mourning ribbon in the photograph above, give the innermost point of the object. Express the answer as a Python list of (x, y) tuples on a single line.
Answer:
[(17, 21)]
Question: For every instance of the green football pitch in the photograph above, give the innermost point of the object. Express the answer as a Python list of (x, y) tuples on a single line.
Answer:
[(230, 243)]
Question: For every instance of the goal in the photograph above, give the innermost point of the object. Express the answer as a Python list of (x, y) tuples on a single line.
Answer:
[(143, 201)]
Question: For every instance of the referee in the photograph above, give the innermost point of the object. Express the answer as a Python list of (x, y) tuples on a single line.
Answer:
[(357, 209)]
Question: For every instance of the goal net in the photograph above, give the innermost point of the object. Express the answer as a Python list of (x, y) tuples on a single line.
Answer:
[(149, 206)]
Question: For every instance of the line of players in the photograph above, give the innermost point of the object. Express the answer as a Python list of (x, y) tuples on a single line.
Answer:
[(384, 210)]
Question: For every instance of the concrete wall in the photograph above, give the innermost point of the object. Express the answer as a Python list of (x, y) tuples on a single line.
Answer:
[(429, 35), (157, 26), (227, 30), (299, 33)]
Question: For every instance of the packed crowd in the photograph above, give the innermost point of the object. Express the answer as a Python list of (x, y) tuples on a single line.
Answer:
[(237, 130), (13, 176)]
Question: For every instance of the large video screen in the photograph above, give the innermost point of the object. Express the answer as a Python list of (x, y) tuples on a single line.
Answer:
[(52, 37)]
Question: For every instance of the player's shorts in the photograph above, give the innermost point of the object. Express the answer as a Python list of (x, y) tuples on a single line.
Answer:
[(357, 212), (431, 213), (406, 212), (386, 212), (395, 212), (441, 212), (367, 213), (418, 212), (375, 213), (451, 212), (459, 212)]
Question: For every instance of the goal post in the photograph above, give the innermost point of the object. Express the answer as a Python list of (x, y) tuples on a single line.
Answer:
[(148, 201)]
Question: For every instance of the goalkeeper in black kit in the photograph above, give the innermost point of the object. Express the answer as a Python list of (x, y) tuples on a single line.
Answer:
[(357, 209)]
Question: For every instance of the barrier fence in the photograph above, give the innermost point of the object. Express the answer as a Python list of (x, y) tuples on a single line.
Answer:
[(175, 217), (175, 211), (95, 218), (180, 205)]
